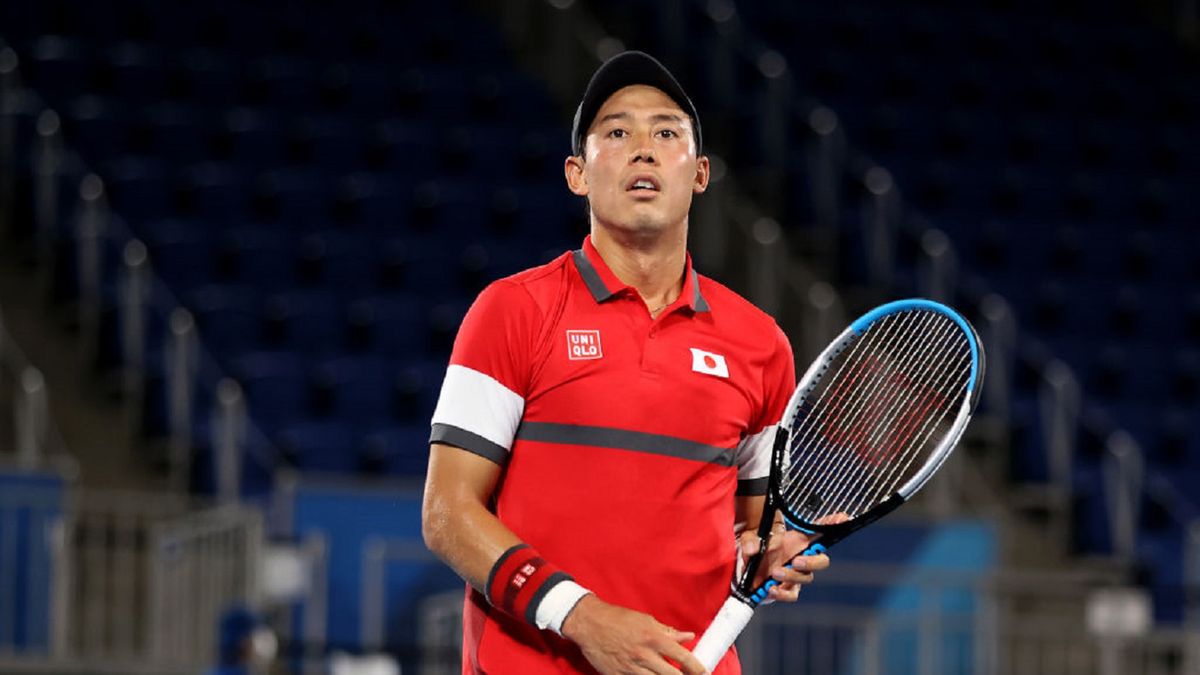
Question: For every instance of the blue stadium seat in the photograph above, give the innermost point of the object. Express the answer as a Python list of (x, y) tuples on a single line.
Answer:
[(401, 451), (139, 187), (394, 324), (256, 256), (309, 321), (320, 447), (361, 391), (180, 252), (276, 385), (229, 318)]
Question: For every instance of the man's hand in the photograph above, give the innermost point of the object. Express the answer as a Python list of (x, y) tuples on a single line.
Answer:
[(783, 547), (616, 640)]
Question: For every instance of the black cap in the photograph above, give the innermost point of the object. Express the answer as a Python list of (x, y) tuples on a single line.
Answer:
[(623, 70)]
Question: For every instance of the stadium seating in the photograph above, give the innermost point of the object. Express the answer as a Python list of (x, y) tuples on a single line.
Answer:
[(325, 205), (327, 190), (1059, 166)]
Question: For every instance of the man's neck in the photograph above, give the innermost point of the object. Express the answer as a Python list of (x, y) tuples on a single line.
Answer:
[(652, 265)]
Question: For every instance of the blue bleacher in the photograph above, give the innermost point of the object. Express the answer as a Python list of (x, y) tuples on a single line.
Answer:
[(325, 205), (1058, 165)]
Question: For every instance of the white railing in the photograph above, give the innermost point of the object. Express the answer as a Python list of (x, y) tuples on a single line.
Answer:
[(1124, 478), (137, 582), (1059, 401), (26, 429), (956, 623)]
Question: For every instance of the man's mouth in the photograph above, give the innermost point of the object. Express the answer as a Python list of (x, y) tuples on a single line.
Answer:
[(642, 184)]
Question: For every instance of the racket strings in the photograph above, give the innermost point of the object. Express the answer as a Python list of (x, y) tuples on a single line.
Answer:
[(890, 393), (917, 416), (831, 451), (837, 394), (924, 414), (839, 401), (839, 468), (836, 384), (890, 438), (926, 433), (876, 442)]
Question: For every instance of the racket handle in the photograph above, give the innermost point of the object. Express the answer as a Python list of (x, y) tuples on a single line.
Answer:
[(761, 594), (722, 632)]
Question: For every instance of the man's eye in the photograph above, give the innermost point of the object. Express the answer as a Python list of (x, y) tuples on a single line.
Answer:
[(668, 133), (617, 133)]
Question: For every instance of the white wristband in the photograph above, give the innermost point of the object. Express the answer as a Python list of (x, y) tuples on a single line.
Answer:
[(558, 603)]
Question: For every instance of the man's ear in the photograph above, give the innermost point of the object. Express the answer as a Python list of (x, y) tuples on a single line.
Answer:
[(573, 170), (702, 175)]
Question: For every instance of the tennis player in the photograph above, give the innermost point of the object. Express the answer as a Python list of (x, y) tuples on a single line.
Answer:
[(606, 420)]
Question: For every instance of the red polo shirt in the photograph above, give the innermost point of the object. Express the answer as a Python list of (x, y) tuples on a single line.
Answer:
[(623, 440)]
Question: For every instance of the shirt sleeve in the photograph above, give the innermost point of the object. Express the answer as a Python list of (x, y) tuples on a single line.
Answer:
[(753, 456), (483, 396)]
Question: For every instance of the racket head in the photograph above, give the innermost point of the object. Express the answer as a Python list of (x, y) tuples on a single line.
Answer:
[(874, 416)]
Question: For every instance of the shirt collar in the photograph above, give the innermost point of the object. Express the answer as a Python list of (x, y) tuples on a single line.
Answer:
[(603, 284)]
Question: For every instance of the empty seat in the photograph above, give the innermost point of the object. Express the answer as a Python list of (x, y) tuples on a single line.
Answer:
[(312, 321), (139, 188), (276, 385), (394, 324), (361, 390), (336, 260), (323, 446), (181, 252), (401, 451), (259, 257), (229, 318)]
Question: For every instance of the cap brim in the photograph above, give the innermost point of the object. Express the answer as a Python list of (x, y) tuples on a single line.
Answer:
[(623, 70)]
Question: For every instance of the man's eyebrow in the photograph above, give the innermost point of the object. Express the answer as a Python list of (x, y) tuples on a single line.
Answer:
[(612, 116), (659, 117), (666, 117)]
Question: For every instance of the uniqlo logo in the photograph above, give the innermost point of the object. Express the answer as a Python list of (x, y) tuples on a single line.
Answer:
[(583, 345)]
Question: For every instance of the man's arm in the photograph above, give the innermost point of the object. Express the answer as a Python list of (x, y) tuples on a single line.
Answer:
[(459, 529), (455, 521)]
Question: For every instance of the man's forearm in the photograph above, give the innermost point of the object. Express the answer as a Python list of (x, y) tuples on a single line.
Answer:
[(466, 536)]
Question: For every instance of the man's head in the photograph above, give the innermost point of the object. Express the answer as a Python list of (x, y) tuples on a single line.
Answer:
[(637, 146)]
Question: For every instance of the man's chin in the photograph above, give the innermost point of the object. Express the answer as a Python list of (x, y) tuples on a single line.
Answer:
[(643, 218)]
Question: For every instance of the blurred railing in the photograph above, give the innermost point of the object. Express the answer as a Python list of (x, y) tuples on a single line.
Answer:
[(26, 430), (136, 581), (933, 622)]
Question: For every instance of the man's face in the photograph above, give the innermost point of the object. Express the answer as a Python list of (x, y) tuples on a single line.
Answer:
[(639, 168)]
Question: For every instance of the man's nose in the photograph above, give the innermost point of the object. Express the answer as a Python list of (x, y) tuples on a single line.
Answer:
[(643, 150)]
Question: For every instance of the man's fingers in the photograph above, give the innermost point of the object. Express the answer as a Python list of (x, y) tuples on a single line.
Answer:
[(791, 576), (680, 635), (785, 592), (660, 667), (687, 661), (810, 563), (749, 546)]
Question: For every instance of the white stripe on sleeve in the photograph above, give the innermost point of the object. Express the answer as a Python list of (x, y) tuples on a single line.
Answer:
[(753, 456), (476, 402)]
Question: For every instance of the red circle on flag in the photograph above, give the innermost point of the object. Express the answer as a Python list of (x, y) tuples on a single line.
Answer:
[(710, 362)]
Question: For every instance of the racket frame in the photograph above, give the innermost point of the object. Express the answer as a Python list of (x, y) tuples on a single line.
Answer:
[(828, 535)]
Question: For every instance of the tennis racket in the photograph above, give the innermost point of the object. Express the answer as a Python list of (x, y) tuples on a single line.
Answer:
[(872, 419)]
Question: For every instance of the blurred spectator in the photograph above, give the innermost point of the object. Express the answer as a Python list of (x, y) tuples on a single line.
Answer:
[(247, 644)]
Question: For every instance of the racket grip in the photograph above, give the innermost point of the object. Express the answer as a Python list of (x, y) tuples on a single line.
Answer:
[(722, 632)]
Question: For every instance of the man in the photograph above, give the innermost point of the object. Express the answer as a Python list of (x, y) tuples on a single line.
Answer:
[(606, 419)]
